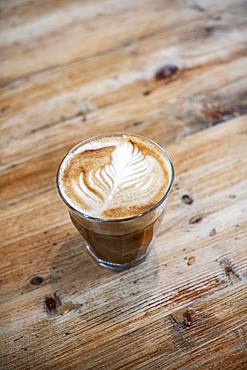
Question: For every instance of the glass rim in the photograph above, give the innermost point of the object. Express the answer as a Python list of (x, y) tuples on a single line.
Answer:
[(122, 219)]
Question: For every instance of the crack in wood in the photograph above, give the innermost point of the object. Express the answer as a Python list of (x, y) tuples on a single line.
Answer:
[(195, 219), (16, 339), (85, 108), (52, 124)]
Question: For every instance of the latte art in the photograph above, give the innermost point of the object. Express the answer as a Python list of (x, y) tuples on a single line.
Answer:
[(130, 175), (114, 177)]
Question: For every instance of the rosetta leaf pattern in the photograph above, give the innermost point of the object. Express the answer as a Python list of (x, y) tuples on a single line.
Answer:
[(129, 175)]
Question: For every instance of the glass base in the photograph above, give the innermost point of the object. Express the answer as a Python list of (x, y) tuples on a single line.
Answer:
[(112, 265)]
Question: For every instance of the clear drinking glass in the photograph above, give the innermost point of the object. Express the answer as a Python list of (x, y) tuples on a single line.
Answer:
[(120, 243)]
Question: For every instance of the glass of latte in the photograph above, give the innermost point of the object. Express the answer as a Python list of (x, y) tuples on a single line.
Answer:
[(115, 187)]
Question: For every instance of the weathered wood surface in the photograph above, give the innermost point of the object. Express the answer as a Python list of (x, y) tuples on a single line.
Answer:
[(174, 71)]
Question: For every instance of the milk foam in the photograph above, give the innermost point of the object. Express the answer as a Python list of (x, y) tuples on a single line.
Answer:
[(133, 177)]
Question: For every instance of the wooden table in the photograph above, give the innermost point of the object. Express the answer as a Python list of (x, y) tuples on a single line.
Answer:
[(174, 71)]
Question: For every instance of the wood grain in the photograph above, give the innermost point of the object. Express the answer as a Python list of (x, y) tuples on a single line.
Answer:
[(174, 71)]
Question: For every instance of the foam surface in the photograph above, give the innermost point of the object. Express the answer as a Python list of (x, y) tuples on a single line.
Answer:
[(114, 177)]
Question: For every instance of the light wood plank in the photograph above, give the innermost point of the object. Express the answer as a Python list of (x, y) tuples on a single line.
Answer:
[(94, 29)]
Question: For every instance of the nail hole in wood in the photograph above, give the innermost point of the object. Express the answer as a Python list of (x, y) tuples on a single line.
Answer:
[(166, 72), (36, 280), (52, 303), (187, 199), (213, 232), (146, 93), (191, 260)]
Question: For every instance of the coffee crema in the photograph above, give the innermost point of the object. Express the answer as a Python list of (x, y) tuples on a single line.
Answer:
[(114, 177)]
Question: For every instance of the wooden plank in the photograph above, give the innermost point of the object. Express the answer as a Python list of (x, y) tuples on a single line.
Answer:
[(186, 104), (62, 100), (70, 86), (170, 339), (178, 111), (28, 30)]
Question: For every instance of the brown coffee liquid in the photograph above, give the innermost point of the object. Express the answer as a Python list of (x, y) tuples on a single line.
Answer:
[(118, 249)]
